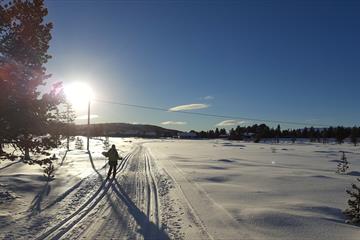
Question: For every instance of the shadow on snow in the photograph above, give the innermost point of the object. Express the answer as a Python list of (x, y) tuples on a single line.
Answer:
[(149, 230)]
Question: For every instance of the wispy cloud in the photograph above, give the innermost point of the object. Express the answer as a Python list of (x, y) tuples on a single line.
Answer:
[(173, 123), (209, 97), (83, 117), (230, 123), (192, 106)]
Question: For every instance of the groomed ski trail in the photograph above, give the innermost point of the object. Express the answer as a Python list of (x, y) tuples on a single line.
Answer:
[(69, 222), (142, 202), (122, 208)]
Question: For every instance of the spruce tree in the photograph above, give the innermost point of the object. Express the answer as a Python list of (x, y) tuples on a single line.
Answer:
[(312, 134), (305, 133), (49, 171), (223, 131), (26, 113), (343, 165), (106, 143), (353, 212), (232, 134), (340, 134), (216, 133), (67, 118), (278, 133), (354, 135), (79, 143), (211, 134)]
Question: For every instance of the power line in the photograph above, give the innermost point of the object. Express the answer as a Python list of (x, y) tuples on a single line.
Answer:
[(208, 114)]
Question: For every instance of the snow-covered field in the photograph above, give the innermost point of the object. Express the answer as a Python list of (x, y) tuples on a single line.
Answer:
[(182, 189)]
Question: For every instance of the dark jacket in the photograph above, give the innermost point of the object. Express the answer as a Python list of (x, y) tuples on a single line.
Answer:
[(113, 156)]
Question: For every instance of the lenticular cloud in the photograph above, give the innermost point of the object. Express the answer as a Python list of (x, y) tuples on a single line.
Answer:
[(192, 106), (173, 123), (230, 123)]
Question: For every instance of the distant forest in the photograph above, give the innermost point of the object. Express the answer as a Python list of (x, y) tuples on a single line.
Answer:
[(258, 132)]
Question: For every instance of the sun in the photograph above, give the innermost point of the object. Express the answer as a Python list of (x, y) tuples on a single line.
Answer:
[(78, 94)]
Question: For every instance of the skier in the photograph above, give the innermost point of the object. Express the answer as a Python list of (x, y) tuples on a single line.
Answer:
[(113, 156)]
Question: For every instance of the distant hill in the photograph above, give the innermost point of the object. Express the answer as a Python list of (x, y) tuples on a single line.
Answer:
[(125, 130)]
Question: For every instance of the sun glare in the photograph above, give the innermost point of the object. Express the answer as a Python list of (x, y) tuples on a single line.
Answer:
[(78, 94)]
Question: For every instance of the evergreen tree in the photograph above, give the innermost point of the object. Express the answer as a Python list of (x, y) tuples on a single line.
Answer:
[(232, 134), (305, 133), (68, 117), (106, 143), (211, 134), (340, 134), (278, 133), (353, 212), (325, 136), (239, 131), (223, 131), (49, 170), (330, 132), (293, 135), (312, 134), (354, 135), (318, 135), (25, 113), (202, 134), (79, 143), (343, 165), (217, 133)]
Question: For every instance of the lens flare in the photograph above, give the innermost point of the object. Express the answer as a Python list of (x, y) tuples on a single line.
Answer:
[(78, 94)]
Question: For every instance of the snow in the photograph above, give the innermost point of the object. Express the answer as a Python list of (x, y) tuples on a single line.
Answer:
[(291, 192), (182, 189)]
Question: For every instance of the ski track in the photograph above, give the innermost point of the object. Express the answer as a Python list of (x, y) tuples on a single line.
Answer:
[(128, 207), (152, 193), (129, 202), (64, 226)]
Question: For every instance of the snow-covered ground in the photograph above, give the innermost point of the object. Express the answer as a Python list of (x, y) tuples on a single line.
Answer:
[(279, 191), (182, 189)]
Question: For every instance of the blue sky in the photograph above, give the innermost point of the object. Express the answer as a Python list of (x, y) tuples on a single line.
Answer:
[(281, 60)]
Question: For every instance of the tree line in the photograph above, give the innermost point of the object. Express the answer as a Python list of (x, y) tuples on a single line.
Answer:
[(257, 132)]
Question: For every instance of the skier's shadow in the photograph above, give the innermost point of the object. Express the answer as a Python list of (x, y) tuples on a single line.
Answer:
[(149, 230), (64, 157), (35, 206), (93, 166)]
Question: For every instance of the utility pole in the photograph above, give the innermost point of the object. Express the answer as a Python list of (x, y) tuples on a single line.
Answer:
[(68, 126), (88, 128)]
